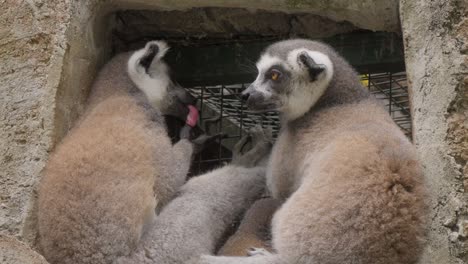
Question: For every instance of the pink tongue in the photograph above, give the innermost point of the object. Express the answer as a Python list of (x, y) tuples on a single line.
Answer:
[(192, 116)]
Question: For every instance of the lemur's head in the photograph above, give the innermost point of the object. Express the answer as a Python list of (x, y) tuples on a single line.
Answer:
[(292, 75), (151, 75)]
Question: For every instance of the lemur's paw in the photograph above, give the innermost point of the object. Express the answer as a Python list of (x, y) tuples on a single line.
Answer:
[(201, 141), (261, 142), (205, 139), (153, 49), (261, 135), (257, 252)]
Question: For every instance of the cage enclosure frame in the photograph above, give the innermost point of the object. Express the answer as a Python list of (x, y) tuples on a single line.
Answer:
[(216, 65)]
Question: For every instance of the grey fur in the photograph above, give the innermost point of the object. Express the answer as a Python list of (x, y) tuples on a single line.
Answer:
[(103, 183), (351, 182), (194, 222)]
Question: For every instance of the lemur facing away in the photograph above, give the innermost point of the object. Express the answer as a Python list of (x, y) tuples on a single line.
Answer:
[(253, 231), (350, 180), (104, 182), (195, 221)]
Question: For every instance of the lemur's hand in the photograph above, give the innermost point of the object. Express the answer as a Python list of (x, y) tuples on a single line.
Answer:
[(200, 141), (185, 132), (261, 141)]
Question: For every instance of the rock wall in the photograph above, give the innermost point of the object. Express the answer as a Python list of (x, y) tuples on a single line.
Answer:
[(30, 47), (50, 51), (12, 251), (436, 44)]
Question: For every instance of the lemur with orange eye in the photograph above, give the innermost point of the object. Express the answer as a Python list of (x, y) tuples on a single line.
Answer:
[(350, 182)]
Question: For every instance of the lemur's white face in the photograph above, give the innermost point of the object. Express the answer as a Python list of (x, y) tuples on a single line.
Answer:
[(151, 75), (290, 86)]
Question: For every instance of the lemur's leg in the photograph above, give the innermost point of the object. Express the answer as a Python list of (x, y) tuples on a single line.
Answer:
[(195, 221)]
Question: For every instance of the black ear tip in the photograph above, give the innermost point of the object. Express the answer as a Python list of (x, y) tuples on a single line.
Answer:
[(320, 68), (151, 51), (303, 57), (313, 68)]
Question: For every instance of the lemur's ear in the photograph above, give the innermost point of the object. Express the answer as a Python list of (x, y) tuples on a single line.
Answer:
[(154, 50), (151, 50), (313, 68)]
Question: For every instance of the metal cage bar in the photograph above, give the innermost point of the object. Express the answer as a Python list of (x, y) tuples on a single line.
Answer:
[(224, 101)]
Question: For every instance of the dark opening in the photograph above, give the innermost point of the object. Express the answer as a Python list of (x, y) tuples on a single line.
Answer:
[(213, 54)]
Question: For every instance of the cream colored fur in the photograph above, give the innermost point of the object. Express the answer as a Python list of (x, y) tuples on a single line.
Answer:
[(103, 183), (351, 182), (253, 231)]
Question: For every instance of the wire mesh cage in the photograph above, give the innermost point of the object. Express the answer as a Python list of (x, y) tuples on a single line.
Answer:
[(216, 59), (392, 88), (223, 103)]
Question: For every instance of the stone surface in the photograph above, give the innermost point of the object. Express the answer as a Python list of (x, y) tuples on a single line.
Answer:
[(435, 35), (28, 48), (12, 251), (204, 26), (380, 15), (49, 51)]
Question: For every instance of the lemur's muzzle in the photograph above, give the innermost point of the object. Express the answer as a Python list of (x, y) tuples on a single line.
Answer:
[(245, 95), (256, 100), (183, 96), (180, 101)]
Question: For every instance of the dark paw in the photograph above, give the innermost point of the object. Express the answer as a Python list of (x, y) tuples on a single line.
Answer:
[(204, 140)]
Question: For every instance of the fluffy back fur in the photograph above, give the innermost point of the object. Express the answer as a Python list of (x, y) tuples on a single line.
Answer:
[(104, 181), (350, 180)]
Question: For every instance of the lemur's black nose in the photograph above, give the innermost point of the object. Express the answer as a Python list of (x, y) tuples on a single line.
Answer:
[(245, 95)]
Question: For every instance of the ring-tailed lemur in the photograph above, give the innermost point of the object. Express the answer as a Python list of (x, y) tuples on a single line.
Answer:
[(104, 181), (195, 221), (350, 180)]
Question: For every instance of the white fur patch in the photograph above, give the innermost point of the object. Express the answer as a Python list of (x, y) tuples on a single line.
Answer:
[(153, 84), (306, 94), (263, 64), (266, 61)]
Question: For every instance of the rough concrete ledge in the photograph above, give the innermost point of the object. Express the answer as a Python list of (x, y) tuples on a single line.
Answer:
[(12, 251), (374, 15)]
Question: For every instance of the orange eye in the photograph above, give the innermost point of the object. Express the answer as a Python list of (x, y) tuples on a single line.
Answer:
[(275, 75)]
